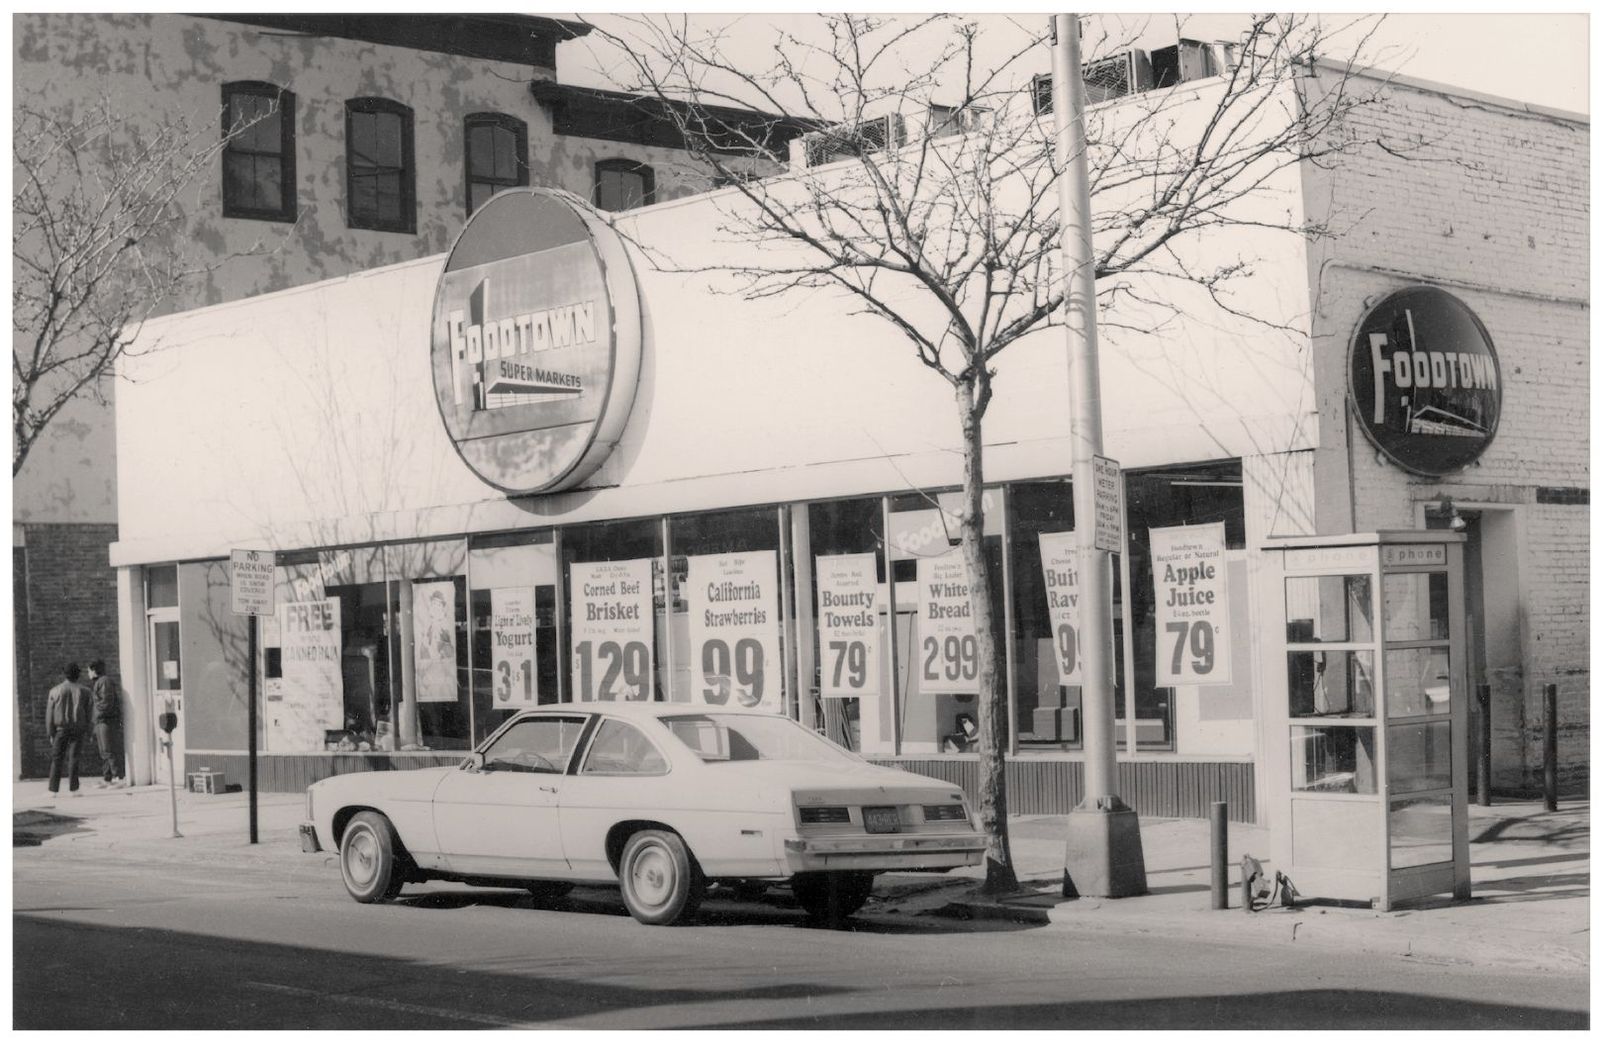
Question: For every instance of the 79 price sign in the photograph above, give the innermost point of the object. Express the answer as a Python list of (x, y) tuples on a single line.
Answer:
[(1192, 612)]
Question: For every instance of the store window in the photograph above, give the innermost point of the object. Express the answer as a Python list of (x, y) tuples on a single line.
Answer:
[(616, 628), (496, 148), (624, 184), (431, 584), (258, 152), (161, 586), (379, 171), (726, 637), (1173, 497), (846, 661), (937, 653), (513, 600)]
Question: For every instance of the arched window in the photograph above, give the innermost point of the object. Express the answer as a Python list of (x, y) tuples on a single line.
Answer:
[(258, 151), (624, 184), (496, 155), (380, 176)]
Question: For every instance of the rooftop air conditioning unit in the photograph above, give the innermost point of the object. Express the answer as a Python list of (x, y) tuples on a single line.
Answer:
[(1117, 75), (1190, 60), (956, 120), (852, 140)]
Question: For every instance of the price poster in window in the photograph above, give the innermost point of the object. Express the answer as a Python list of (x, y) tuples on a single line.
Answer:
[(949, 655), (434, 636), (735, 639), (610, 630), (512, 648), (849, 626), (1191, 614), (313, 696), (1060, 565)]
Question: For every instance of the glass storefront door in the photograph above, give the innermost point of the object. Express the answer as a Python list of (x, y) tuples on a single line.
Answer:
[(166, 687)]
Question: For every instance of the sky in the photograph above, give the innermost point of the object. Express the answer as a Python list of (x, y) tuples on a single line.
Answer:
[(1536, 58)]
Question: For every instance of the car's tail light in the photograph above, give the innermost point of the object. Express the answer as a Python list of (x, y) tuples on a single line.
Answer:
[(815, 815), (945, 813)]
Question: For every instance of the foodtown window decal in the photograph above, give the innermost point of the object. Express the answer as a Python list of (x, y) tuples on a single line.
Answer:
[(536, 343), (1424, 381)]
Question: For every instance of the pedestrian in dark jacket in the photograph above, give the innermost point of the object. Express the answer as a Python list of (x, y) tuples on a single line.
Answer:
[(66, 721), (108, 722)]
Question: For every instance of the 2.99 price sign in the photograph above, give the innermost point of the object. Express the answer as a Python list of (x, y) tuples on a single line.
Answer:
[(610, 630), (1192, 614), (949, 656), (734, 629), (849, 625)]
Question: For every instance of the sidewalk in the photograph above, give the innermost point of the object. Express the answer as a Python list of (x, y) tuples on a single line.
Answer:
[(1529, 873), (1529, 881)]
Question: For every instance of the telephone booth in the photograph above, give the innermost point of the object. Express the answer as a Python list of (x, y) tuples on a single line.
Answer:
[(1365, 716)]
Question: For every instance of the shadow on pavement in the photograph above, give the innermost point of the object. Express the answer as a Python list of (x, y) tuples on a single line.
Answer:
[(33, 827), (1301, 1010)]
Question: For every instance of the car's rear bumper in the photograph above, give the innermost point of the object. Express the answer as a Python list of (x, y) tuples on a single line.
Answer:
[(309, 842), (944, 851)]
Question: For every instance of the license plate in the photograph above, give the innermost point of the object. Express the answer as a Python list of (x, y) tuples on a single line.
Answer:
[(882, 820)]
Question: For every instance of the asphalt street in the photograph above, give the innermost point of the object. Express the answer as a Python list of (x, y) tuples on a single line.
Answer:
[(263, 940)]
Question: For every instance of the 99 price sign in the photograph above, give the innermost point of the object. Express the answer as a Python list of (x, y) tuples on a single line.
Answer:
[(734, 628), (1192, 614), (949, 658)]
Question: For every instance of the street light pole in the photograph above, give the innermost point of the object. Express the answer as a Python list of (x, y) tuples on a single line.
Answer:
[(1103, 856)]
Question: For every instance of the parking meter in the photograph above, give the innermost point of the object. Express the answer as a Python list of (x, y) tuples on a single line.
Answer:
[(168, 721)]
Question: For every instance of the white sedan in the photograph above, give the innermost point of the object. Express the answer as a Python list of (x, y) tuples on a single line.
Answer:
[(657, 798)]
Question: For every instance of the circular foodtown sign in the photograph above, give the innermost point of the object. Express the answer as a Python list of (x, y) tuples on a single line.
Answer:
[(536, 342), (1424, 381)]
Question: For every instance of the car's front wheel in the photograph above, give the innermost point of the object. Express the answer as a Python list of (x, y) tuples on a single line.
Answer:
[(368, 862), (832, 896), (660, 878)]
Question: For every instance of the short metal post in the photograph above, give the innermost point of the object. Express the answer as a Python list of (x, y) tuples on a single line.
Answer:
[(1551, 747), (172, 782), (1217, 849), (1484, 745)]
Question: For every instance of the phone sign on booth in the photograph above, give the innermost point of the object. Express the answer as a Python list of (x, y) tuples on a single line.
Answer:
[(1192, 613)]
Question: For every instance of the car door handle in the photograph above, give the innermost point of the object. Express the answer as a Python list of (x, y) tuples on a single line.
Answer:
[(548, 789)]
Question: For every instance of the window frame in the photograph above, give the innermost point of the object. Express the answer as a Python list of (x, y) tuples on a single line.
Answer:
[(622, 165), (506, 122), (583, 767), (584, 721), (284, 99), (408, 220)]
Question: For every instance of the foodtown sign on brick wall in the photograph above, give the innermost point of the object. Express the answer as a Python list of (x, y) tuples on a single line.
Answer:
[(1424, 381), (536, 342)]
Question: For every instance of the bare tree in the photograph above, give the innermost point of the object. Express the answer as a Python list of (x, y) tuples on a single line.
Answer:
[(927, 200), (98, 245)]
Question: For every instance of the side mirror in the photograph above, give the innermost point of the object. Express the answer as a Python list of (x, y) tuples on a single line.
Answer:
[(474, 762)]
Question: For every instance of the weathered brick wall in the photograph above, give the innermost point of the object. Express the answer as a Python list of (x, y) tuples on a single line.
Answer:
[(1490, 202), (68, 612)]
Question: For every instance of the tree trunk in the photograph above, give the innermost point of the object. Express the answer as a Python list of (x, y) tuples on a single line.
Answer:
[(993, 699)]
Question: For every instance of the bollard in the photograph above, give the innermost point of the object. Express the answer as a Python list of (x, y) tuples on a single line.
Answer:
[(1551, 747), (1217, 849), (1484, 742)]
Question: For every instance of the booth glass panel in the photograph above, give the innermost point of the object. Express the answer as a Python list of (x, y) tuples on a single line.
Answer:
[(1419, 757), (1416, 605), (1421, 831), (1333, 759), (1331, 684), (1417, 682), (1329, 609)]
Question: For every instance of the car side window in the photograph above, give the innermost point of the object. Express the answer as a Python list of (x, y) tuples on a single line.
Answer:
[(540, 744), (622, 749)]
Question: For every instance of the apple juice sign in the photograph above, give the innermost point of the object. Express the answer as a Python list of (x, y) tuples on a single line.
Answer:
[(1424, 381), (1192, 615)]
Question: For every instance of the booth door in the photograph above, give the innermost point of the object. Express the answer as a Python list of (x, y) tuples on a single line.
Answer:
[(166, 688)]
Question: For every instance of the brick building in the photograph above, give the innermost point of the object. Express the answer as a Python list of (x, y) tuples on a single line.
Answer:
[(368, 140)]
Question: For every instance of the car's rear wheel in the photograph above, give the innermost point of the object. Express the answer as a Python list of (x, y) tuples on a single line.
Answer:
[(660, 878), (549, 891), (832, 897), (369, 863)]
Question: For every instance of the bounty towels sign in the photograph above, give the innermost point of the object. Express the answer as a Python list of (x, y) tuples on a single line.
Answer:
[(512, 648), (734, 630), (1192, 615), (949, 655), (610, 629), (849, 626), (313, 695), (1060, 565)]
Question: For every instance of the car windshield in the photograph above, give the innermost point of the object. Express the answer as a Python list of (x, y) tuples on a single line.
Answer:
[(734, 737)]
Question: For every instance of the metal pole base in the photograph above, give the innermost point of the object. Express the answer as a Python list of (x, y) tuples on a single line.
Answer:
[(1103, 857)]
